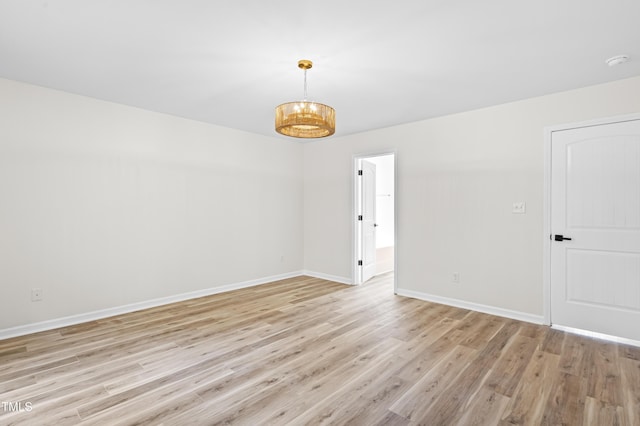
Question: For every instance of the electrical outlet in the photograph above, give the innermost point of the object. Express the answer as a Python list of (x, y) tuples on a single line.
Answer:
[(519, 207), (36, 294), (456, 277), (282, 258)]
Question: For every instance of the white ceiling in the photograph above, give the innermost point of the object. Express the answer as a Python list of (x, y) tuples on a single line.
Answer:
[(378, 63)]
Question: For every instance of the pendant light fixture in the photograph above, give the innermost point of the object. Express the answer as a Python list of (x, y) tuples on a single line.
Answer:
[(305, 119)]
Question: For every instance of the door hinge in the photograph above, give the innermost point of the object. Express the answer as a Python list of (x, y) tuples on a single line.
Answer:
[(359, 262), (359, 217), (359, 172)]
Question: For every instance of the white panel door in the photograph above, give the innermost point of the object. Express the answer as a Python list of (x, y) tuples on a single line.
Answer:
[(368, 222), (595, 225)]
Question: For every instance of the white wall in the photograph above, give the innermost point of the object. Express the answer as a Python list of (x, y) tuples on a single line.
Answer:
[(103, 205), (457, 177)]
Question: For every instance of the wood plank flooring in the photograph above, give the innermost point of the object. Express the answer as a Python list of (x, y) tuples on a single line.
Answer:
[(308, 351)]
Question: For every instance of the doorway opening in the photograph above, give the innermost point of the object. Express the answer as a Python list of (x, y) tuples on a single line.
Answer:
[(374, 210)]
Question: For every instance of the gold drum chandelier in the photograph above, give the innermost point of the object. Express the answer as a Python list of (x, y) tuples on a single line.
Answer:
[(305, 119)]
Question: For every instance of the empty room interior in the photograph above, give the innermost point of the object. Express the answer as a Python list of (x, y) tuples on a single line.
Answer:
[(292, 213)]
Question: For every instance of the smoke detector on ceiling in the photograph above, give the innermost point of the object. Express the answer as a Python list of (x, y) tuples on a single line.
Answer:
[(617, 60)]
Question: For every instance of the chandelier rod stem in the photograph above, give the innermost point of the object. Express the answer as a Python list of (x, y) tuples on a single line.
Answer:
[(305, 84)]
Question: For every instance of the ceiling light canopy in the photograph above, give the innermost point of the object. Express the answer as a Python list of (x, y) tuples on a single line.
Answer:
[(305, 119)]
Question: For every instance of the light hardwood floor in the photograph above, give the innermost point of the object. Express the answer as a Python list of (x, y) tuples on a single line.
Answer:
[(308, 351)]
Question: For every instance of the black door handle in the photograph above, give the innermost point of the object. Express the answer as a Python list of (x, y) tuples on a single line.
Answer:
[(558, 237)]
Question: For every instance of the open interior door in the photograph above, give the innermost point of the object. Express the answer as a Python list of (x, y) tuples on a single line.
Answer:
[(368, 222)]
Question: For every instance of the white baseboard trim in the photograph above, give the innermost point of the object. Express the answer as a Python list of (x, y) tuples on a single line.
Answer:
[(341, 280), (492, 310), (109, 312), (595, 335)]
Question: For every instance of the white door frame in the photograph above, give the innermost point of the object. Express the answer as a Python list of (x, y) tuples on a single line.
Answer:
[(546, 237), (356, 275)]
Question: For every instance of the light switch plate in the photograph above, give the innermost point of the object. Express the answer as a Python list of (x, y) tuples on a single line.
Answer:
[(519, 207)]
